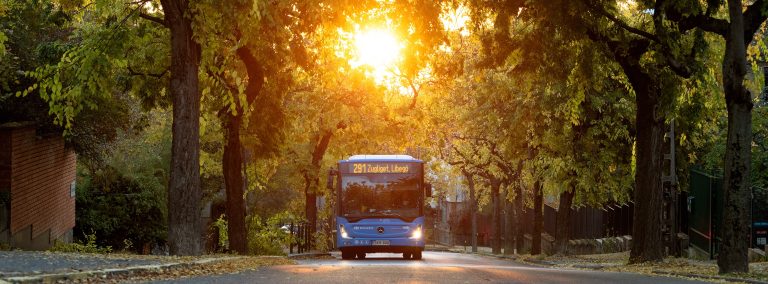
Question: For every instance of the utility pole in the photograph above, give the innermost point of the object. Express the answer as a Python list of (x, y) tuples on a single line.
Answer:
[(671, 195)]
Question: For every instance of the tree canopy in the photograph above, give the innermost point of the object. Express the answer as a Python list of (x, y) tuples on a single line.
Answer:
[(524, 99)]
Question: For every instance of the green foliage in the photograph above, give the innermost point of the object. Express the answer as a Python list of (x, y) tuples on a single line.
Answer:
[(40, 37), (221, 226), (3, 38), (124, 209), (89, 246), (106, 54), (128, 188), (31, 35), (266, 238)]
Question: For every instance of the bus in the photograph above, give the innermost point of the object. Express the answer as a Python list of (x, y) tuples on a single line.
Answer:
[(380, 205)]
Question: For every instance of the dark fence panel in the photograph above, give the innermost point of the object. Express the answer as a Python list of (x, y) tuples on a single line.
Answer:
[(759, 217), (705, 211), (593, 223), (550, 220), (300, 234), (617, 219), (700, 211), (587, 223)]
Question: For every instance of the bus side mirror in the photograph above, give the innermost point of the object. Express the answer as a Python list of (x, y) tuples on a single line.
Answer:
[(331, 177), (428, 189)]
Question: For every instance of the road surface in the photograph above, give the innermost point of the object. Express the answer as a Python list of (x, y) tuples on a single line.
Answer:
[(436, 267)]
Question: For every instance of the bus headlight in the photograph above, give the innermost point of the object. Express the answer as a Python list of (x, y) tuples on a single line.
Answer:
[(416, 234), (343, 232)]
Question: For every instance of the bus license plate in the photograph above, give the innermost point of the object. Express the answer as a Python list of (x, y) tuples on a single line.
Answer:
[(381, 243)]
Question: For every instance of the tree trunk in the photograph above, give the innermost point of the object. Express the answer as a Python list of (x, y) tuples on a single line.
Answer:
[(733, 254), (234, 175), (310, 205), (495, 217), (184, 193), (563, 224), (312, 182), (233, 181), (519, 215), (472, 208), (509, 224), (647, 242), (538, 202)]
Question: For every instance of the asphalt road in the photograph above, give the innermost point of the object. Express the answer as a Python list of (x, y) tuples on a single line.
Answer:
[(436, 267)]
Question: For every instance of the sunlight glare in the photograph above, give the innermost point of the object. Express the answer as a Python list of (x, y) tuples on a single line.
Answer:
[(376, 48), (456, 19), (627, 5)]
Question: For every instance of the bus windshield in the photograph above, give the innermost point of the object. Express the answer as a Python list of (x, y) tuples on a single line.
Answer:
[(380, 195)]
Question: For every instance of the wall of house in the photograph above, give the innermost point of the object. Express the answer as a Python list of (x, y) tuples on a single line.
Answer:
[(42, 173), (5, 186)]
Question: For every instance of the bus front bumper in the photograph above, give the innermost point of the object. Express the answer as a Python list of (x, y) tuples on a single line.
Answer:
[(381, 245)]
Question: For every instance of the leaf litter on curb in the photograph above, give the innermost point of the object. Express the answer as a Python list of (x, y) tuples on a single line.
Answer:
[(618, 262), (227, 266)]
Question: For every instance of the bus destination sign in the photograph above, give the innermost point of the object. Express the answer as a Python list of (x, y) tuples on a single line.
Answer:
[(380, 168)]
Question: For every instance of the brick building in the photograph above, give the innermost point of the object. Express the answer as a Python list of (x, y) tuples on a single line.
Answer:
[(37, 181)]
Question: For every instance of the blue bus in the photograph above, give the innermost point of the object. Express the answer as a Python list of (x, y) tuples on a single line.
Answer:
[(380, 205)]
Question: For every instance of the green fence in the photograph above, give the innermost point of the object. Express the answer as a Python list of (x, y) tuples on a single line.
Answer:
[(705, 207), (759, 217)]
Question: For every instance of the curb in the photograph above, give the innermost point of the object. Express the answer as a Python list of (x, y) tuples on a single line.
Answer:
[(437, 249), (539, 262), (726, 278), (597, 267), (104, 273), (308, 255)]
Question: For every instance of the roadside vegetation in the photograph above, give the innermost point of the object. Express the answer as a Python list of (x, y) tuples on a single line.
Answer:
[(238, 109)]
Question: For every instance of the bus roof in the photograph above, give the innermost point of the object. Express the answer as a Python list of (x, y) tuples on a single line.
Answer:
[(381, 158)]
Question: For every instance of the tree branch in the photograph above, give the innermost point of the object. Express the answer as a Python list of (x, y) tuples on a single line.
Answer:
[(157, 20), (680, 69), (620, 23), (753, 19), (704, 22)]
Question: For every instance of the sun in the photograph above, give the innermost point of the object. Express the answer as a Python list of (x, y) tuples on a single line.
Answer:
[(376, 48)]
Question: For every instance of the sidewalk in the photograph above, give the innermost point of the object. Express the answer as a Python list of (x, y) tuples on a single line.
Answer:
[(53, 267), (309, 254), (463, 249)]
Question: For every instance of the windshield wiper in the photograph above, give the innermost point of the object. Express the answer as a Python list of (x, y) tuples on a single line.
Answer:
[(388, 213), (396, 215), (379, 214)]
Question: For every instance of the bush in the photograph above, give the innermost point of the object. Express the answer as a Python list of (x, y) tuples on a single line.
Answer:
[(267, 238), (124, 213), (222, 229), (89, 246)]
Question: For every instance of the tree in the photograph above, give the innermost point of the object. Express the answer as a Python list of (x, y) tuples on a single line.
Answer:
[(92, 68), (738, 32), (184, 193), (671, 54), (736, 210)]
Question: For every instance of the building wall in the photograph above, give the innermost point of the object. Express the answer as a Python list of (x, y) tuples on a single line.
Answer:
[(42, 208), (5, 185)]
